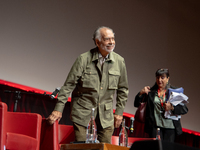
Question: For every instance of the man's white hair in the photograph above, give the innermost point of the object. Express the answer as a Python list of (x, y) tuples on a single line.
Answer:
[(97, 34)]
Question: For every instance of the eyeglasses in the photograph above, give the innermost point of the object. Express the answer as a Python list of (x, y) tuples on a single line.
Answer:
[(109, 39)]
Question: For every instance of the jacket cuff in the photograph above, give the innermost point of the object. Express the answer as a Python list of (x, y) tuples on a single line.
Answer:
[(119, 112), (59, 107)]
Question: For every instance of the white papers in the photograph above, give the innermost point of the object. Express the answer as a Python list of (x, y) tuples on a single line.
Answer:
[(175, 99), (169, 115)]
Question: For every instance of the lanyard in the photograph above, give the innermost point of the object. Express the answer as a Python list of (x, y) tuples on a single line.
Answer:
[(161, 101)]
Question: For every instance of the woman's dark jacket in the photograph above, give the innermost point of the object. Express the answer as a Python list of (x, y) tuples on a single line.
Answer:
[(150, 119)]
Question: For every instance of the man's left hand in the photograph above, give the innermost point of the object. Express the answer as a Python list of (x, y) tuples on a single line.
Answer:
[(117, 120)]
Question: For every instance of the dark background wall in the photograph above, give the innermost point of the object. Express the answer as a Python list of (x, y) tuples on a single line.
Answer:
[(40, 40)]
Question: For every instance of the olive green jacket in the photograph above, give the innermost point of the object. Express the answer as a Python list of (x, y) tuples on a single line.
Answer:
[(95, 89)]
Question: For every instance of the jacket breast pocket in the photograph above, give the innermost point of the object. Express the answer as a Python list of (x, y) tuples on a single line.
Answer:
[(113, 79), (89, 79)]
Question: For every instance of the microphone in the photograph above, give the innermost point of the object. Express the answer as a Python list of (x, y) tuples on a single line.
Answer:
[(131, 127), (53, 95)]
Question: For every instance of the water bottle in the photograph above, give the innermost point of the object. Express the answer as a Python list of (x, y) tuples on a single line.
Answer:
[(158, 134), (91, 132), (123, 136)]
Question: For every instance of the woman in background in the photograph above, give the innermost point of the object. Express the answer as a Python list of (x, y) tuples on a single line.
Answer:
[(157, 105)]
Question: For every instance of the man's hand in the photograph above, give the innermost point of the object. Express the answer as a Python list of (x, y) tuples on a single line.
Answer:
[(117, 120), (55, 115)]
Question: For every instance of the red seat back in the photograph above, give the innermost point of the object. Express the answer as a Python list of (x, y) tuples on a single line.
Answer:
[(65, 134), (19, 130)]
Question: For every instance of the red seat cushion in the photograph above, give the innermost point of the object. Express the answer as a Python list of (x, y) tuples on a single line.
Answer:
[(19, 141)]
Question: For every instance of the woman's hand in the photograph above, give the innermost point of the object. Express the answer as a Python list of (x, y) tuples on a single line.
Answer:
[(146, 90), (168, 106)]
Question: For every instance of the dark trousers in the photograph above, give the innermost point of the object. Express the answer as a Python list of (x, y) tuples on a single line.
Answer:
[(104, 135), (165, 134)]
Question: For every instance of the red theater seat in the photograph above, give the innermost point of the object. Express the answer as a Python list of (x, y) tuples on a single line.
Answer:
[(19, 130), (52, 136)]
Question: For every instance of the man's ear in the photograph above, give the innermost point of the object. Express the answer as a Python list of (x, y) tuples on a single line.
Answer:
[(97, 43)]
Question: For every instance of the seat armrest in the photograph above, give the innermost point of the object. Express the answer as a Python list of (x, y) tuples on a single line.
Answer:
[(49, 136), (3, 112)]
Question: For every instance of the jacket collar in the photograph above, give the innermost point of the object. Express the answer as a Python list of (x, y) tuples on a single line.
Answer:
[(95, 57)]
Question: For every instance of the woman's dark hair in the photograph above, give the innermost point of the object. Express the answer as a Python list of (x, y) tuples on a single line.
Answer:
[(162, 71)]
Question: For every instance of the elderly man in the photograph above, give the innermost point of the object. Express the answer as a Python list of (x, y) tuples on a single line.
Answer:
[(93, 80)]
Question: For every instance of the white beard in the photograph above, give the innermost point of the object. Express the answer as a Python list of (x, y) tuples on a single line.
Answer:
[(106, 49)]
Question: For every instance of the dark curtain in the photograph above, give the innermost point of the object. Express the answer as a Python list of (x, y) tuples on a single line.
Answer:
[(32, 102)]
